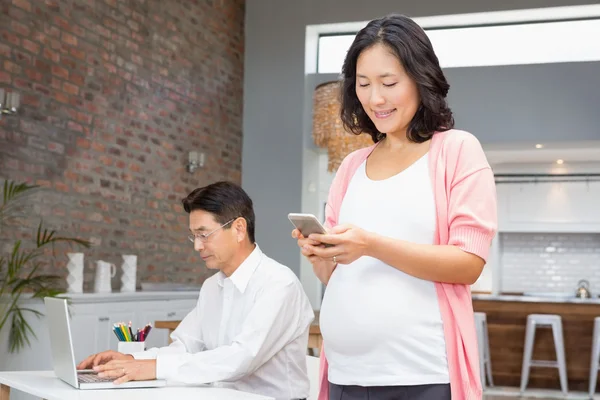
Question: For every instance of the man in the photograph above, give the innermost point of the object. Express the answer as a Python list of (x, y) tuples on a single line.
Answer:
[(249, 330)]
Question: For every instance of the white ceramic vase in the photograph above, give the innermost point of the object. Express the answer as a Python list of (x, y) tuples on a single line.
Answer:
[(128, 277), (75, 276)]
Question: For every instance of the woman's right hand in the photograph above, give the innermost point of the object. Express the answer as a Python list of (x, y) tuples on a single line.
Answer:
[(323, 268)]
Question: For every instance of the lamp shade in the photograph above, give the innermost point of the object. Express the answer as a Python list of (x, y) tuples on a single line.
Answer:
[(328, 130)]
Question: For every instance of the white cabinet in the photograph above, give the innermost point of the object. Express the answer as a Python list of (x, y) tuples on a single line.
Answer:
[(176, 311), (92, 319), (85, 330), (37, 355), (91, 327), (549, 207)]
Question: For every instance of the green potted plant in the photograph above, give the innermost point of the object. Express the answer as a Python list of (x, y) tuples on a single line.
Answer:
[(20, 267)]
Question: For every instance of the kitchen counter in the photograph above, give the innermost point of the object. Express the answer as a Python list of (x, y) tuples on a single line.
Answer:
[(536, 299), (507, 318), (115, 297), (130, 296)]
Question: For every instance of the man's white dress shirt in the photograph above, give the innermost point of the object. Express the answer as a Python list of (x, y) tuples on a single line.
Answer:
[(247, 332)]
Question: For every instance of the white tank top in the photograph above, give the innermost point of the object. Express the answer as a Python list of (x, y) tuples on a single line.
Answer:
[(382, 327)]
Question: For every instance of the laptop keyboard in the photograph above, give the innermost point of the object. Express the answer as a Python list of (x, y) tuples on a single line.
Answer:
[(92, 378)]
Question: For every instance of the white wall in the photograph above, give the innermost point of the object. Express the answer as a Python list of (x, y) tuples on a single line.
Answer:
[(549, 262)]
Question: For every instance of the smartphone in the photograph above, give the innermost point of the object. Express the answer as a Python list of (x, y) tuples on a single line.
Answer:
[(307, 224)]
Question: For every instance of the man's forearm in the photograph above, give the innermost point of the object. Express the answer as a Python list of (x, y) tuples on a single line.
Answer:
[(224, 363)]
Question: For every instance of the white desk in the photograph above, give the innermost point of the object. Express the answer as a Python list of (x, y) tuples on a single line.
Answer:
[(47, 386)]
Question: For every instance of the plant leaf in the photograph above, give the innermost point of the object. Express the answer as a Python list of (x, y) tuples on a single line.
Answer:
[(47, 292), (19, 269), (19, 259), (12, 195), (3, 266), (31, 310), (45, 237), (19, 332), (37, 282), (13, 189)]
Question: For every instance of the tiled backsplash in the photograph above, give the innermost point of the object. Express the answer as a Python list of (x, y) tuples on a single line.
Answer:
[(549, 262)]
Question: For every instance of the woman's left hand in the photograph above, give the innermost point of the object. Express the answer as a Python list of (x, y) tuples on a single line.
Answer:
[(349, 244)]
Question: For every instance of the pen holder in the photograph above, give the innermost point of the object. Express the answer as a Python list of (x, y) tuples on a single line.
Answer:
[(131, 347)]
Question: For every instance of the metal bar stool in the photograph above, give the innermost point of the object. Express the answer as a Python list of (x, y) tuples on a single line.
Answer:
[(554, 322), (595, 357), (483, 343)]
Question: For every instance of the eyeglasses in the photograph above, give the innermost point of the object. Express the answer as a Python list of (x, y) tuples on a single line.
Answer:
[(203, 237)]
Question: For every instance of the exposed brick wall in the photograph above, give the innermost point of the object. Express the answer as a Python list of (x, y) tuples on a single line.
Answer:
[(114, 95)]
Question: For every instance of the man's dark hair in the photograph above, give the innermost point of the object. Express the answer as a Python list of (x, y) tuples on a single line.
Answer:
[(410, 44), (225, 201)]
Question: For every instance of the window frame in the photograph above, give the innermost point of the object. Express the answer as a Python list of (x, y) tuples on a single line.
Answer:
[(454, 21)]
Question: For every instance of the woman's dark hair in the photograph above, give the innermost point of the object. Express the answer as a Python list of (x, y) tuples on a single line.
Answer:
[(225, 201), (410, 44)]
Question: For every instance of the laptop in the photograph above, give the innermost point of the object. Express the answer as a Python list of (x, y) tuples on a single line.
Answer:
[(63, 356)]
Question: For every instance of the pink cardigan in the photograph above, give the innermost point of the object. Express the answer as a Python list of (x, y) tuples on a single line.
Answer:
[(465, 198)]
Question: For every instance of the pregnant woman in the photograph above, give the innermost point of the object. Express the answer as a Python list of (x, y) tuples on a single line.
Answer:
[(411, 220)]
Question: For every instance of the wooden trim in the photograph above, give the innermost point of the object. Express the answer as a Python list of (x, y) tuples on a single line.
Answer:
[(171, 325), (315, 340), (4, 392)]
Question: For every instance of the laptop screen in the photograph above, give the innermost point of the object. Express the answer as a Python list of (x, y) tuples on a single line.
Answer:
[(61, 342)]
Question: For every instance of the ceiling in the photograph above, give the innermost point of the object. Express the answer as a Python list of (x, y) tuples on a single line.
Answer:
[(569, 152)]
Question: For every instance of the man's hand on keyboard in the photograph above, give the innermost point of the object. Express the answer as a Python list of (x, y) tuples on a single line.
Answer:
[(127, 370), (103, 358)]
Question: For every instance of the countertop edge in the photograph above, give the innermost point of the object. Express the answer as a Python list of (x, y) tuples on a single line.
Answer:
[(534, 299), (90, 298)]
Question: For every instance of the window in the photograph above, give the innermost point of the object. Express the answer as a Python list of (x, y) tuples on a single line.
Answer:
[(501, 44), (332, 51), (538, 43)]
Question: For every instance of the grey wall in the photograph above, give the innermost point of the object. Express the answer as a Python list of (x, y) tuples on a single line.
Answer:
[(274, 96), (533, 103)]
